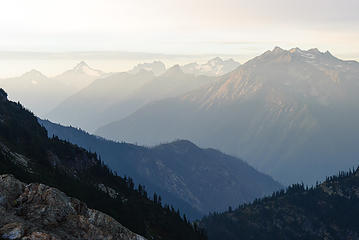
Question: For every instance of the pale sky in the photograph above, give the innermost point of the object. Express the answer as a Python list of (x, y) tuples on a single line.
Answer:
[(239, 27)]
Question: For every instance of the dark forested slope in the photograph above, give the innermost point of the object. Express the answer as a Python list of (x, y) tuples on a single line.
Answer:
[(327, 211)]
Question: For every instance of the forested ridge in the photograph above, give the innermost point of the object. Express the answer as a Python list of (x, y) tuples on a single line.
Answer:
[(328, 210)]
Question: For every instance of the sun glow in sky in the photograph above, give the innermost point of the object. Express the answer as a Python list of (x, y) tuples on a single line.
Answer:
[(239, 27)]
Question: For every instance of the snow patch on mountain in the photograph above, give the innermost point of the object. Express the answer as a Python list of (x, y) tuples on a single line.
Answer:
[(214, 67), (157, 67)]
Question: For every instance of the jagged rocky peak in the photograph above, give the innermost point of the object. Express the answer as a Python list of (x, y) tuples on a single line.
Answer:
[(312, 56), (312, 51), (277, 50), (37, 211), (297, 51)]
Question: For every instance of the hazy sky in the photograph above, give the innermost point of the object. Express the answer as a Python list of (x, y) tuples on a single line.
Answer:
[(246, 27)]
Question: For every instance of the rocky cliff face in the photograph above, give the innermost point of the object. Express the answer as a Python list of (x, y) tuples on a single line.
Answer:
[(37, 211)]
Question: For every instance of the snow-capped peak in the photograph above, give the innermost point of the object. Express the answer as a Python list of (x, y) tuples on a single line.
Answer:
[(214, 67)]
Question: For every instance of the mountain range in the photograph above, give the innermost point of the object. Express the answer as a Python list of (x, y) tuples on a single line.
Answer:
[(197, 181), (292, 114), (115, 97), (41, 93), (30, 156)]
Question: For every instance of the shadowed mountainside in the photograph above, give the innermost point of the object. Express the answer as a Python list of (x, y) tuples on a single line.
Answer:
[(195, 180), (291, 114)]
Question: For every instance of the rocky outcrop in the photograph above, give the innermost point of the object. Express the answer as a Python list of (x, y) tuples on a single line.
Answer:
[(37, 211)]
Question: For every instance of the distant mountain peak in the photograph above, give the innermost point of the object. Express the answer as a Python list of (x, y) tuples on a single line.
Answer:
[(214, 67), (295, 50), (157, 67), (312, 56), (328, 54), (314, 50), (216, 59), (184, 142), (230, 60), (82, 67), (33, 74), (176, 69), (278, 50)]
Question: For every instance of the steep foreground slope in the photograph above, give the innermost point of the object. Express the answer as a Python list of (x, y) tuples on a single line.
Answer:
[(28, 154), (196, 180), (36, 211), (291, 114), (327, 211)]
